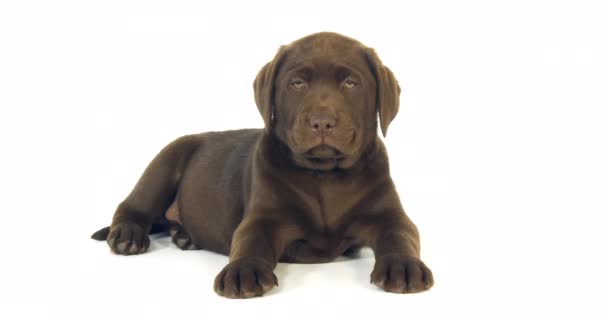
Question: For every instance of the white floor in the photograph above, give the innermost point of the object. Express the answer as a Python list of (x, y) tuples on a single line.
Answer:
[(475, 278)]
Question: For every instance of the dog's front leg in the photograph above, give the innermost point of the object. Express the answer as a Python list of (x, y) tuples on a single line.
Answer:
[(255, 250), (398, 267)]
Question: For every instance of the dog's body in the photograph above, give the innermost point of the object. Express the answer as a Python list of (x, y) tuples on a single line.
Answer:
[(313, 185)]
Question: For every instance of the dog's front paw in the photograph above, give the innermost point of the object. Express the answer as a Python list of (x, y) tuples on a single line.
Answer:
[(128, 238), (401, 274), (245, 278)]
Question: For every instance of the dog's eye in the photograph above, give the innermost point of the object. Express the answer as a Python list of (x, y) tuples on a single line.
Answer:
[(349, 84), (297, 84)]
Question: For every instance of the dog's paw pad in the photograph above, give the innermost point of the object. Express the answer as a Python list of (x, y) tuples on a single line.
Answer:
[(181, 239), (401, 274), (245, 279)]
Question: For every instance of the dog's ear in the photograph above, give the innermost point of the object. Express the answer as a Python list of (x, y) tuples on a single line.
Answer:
[(387, 90), (263, 88)]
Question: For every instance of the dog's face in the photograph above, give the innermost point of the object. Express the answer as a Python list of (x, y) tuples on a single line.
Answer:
[(320, 96)]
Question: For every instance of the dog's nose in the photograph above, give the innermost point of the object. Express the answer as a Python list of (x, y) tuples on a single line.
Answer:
[(322, 123)]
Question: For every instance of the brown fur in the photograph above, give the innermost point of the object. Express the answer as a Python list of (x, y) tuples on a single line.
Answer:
[(313, 185)]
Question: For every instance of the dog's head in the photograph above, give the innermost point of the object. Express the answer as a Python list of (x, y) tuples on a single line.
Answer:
[(321, 95)]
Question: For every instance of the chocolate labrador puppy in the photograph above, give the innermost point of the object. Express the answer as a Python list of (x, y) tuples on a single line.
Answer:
[(311, 186)]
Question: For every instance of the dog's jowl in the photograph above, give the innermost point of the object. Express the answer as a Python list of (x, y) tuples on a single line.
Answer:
[(313, 185)]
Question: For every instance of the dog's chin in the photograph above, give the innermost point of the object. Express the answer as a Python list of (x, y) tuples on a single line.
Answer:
[(322, 157)]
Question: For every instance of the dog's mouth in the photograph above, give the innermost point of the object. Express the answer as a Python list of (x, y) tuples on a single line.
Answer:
[(324, 154), (320, 154)]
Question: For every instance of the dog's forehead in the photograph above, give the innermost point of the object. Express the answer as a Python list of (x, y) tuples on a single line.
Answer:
[(323, 50), (325, 60), (326, 43)]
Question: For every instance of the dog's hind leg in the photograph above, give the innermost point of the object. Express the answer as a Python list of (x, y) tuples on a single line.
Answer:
[(179, 235), (181, 238), (150, 199)]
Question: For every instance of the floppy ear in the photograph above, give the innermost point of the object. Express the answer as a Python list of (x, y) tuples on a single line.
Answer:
[(263, 87), (387, 90)]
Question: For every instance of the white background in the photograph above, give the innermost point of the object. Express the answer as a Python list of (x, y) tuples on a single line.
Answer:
[(499, 152)]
